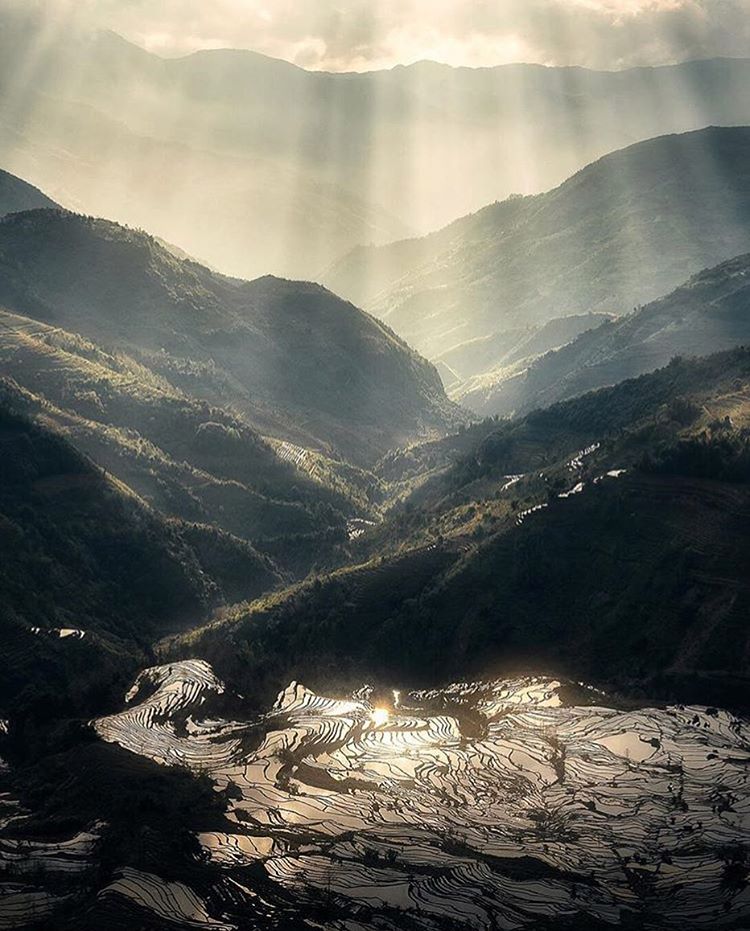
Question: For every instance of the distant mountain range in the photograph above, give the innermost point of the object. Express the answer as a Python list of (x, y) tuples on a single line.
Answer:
[(623, 231), (257, 166)]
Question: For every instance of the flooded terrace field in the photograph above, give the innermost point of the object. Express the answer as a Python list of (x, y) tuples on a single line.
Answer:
[(509, 804)]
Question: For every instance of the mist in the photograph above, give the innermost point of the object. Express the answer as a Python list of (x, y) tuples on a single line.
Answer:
[(193, 148)]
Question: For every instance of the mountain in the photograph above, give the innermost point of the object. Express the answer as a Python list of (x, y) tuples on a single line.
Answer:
[(195, 149), (16, 195), (165, 166), (620, 233), (296, 362), (190, 460), (510, 349), (709, 313), (605, 538)]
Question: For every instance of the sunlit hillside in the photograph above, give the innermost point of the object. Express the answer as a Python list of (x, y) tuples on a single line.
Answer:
[(708, 313), (278, 351), (620, 233), (603, 535)]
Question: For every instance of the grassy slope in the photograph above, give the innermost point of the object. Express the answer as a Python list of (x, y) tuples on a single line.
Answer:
[(188, 458)]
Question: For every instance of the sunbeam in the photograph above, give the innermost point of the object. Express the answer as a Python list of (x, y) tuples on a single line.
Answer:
[(374, 465)]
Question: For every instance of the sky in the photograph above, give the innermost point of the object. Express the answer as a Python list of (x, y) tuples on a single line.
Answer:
[(341, 35)]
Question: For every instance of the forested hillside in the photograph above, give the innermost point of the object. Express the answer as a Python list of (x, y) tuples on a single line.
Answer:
[(90, 574), (602, 538), (709, 313)]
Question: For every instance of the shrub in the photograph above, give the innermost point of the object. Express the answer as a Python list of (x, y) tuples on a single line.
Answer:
[(216, 438)]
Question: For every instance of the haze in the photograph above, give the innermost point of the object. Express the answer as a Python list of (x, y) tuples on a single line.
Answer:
[(374, 465), (359, 35)]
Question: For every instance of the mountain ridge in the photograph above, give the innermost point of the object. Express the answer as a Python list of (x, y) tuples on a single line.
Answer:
[(618, 233), (281, 350), (708, 313), (17, 195), (430, 62), (339, 147)]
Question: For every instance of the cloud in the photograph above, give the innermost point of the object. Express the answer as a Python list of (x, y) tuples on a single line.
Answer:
[(361, 34)]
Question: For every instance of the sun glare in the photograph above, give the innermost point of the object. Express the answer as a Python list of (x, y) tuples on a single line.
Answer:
[(380, 717)]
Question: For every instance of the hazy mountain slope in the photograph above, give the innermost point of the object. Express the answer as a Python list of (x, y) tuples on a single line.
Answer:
[(512, 347), (298, 362), (173, 172), (709, 313), (635, 578), (621, 232), (17, 195), (205, 201)]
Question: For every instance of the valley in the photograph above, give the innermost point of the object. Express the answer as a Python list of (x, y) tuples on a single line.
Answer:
[(374, 467)]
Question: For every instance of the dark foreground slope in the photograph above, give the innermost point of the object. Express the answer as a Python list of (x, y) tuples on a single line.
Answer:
[(637, 579), (296, 361), (89, 574), (709, 313), (188, 805), (621, 232), (187, 458)]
